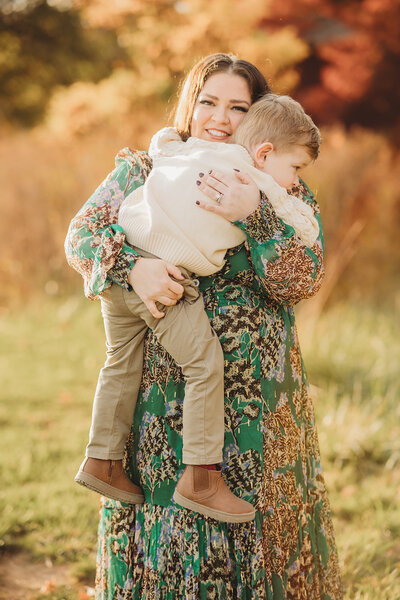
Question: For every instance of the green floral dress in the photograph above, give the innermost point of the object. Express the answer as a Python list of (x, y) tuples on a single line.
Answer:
[(271, 455)]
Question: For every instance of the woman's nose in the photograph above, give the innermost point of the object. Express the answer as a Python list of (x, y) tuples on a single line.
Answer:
[(220, 114)]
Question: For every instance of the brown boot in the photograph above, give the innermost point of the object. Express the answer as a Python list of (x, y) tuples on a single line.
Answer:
[(206, 492), (107, 477)]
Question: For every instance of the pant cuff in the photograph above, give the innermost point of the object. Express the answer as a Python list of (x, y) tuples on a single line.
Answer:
[(191, 459), (104, 455)]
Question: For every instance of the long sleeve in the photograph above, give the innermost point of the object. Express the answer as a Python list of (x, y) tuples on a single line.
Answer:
[(95, 245), (287, 270)]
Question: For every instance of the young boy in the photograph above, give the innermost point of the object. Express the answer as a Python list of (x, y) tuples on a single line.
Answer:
[(161, 219)]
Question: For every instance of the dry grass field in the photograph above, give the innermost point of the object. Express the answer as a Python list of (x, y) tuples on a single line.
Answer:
[(51, 353)]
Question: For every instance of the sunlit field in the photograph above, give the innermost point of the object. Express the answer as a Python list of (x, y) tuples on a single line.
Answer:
[(51, 354), (353, 365)]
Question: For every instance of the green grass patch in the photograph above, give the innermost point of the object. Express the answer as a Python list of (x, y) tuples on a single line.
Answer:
[(352, 360), (51, 355)]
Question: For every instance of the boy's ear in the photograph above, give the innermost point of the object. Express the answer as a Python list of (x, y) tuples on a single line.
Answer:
[(261, 152)]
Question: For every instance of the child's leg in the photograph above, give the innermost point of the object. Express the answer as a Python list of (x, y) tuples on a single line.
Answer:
[(185, 332), (114, 404), (119, 379)]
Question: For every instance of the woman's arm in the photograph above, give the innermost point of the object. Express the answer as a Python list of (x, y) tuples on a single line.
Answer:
[(288, 270), (95, 245)]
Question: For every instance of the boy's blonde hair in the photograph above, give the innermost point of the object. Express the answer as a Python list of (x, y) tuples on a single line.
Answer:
[(281, 121)]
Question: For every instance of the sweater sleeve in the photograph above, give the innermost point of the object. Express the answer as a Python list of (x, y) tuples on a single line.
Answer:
[(95, 245), (288, 270)]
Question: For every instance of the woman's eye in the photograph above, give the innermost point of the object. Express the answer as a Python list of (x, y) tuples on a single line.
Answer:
[(240, 108), (207, 102)]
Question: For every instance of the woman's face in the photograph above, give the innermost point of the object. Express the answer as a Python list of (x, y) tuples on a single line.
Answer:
[(220, 106)]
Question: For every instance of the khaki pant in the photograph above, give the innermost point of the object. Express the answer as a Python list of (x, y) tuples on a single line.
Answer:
[(186, 334)]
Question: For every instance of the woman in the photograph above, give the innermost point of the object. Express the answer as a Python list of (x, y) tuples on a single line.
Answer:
[(271, 455)]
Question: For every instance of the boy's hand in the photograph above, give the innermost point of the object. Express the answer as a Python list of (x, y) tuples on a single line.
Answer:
[(151, 280), (235, 198)]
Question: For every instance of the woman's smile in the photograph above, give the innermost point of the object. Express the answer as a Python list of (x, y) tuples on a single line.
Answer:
[(217, 133), (221, 105)]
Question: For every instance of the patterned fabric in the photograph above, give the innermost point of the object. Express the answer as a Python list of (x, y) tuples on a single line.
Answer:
[(122, 267), (95, 243), (271, 454)]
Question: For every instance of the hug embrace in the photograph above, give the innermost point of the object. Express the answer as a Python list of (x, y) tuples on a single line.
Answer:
[(203, 441)]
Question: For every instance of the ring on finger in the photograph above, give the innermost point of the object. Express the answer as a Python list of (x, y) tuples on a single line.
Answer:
[(218, 197)]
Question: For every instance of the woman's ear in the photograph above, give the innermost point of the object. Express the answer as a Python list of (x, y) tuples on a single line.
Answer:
[(261, 152)]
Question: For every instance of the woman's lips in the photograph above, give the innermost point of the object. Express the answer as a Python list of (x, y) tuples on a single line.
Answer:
[(217, 134)]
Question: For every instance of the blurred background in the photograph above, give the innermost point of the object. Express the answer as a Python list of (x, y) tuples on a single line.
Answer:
[(81, 79)]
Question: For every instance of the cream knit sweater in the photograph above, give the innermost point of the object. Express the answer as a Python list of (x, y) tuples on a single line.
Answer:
[(162, 217)]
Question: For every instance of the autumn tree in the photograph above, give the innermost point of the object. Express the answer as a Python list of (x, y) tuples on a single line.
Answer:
[(351, 72), (43, 46)]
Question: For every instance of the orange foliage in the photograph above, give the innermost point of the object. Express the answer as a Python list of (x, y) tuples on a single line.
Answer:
[(355, 178), (162, 40), (48, 173), (345, 75), (352, 69)]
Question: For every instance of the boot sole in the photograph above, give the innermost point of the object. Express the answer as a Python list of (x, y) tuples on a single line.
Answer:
[(103, 488), (219, 515)]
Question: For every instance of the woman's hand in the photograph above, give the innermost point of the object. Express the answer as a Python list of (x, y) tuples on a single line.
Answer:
[(150, 279), (237, 196)]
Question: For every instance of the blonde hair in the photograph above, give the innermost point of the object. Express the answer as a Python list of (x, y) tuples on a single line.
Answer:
[(198, 75), (281, 121)]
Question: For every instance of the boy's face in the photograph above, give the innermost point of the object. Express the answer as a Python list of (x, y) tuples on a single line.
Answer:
[(284, 166)]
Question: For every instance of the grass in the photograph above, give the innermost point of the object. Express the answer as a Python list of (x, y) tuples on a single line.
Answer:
[(353, 360), (51, 355)]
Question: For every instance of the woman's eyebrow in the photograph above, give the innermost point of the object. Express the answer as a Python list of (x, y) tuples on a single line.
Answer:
[(231, 101)]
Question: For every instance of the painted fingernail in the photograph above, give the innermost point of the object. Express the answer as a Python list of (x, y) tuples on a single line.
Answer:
[(201, 174), (236, 170), (198, 182), (197, 202)]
